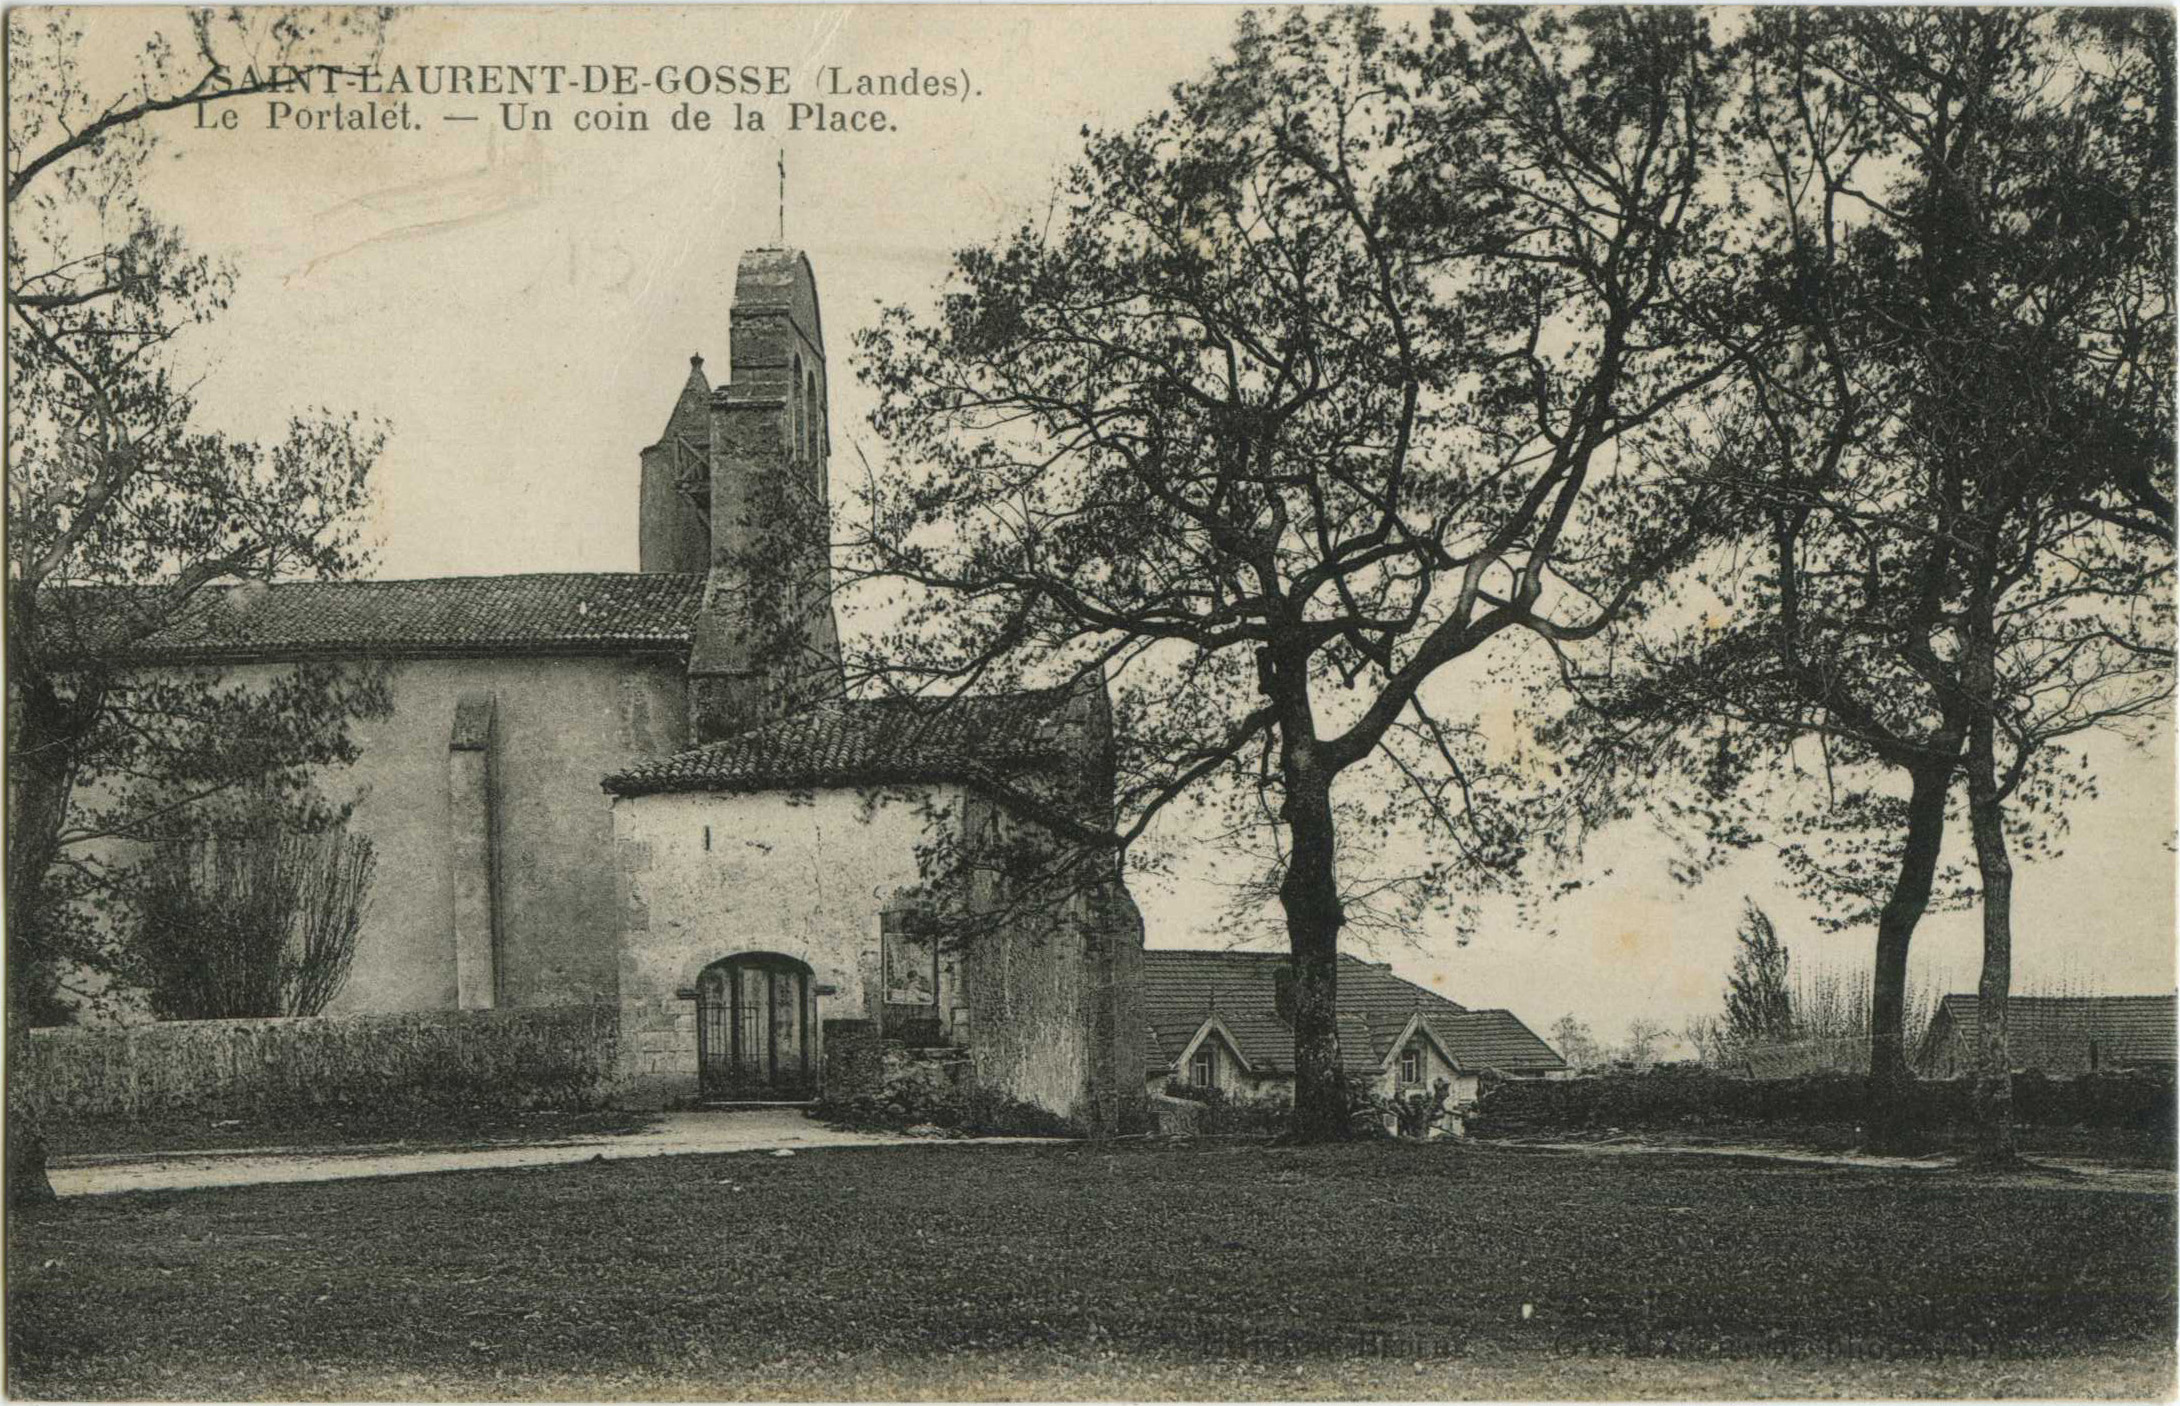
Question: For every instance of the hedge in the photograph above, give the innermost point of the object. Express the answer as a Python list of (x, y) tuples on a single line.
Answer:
[(543, 1056), (1692, 1097)]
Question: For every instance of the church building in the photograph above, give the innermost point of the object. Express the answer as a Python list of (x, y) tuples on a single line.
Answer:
[(650, 789)]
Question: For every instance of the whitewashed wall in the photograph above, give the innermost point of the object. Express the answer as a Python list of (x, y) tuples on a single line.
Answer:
[(805, 876)]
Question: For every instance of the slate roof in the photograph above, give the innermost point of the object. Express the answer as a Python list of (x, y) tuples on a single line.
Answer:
[(2053, 1033), (1182, 988), (867, 742), (587, 612)]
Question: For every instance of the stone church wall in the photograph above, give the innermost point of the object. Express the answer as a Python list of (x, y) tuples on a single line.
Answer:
[(529, 852), (1055, 1006), (806, 876)]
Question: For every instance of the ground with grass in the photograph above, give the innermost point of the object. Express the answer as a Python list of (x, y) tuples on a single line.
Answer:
[(2113, 1147), (1150, 1270), (2059, 1147), (303, 1130)]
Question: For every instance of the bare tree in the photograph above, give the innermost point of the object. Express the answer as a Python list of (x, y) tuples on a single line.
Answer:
[(1575, 1044), (1645, 1041), (249, 922)]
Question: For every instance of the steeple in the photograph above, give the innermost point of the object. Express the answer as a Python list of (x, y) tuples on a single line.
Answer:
[(673, 532)]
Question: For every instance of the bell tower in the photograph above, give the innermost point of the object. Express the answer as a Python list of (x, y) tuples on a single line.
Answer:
[(766, 639)]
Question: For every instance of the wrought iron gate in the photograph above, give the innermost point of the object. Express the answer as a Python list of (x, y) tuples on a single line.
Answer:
[(753, 1028)]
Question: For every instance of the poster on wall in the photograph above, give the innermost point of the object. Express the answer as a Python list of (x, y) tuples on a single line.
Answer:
[(912, 959)]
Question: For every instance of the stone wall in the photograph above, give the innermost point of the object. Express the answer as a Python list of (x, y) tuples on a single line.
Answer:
[(1055, 996), (807, 876), (1048, 1001), (536, 736)]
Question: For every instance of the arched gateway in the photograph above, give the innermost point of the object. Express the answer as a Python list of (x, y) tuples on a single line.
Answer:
[(755, 1028)]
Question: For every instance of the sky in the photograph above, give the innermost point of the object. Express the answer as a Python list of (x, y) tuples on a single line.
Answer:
[(520, 307)]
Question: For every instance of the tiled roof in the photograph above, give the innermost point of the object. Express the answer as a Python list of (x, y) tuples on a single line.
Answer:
[(561, 613), (1181, 988), (870, 741), (2053, 1033), (1493, 1039)]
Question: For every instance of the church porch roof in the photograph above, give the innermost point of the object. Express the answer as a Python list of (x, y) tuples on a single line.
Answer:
[(873, 742)]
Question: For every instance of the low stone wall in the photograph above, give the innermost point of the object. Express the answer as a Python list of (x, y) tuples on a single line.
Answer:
[(1177, 1117), (541, 1056)]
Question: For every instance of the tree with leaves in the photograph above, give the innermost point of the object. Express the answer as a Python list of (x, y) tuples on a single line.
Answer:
[(1952, 467), (1313, 394), (123, 509), (2067, 623), (1759, 1002)]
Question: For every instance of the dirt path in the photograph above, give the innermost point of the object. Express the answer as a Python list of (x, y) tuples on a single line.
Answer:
[(2057, 1173), (675, 1135)]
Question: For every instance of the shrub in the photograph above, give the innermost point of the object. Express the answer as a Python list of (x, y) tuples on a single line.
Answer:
[(260, 921), (543, 1056), (1682, 1096), (1415, 1113), (966, 1109)]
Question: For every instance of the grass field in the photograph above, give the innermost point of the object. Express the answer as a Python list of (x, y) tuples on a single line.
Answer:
[(1209, 1269)]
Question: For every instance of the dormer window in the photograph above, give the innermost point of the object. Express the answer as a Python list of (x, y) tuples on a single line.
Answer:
[(1411, 1065), (1204, 1068)]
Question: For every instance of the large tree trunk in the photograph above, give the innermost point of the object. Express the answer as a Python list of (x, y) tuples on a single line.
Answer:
[(1891, 1082), (1994, 1068), (43, 728), (1310, 894), (26, 1181)]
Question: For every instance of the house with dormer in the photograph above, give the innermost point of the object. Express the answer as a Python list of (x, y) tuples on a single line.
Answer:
[(1222, 1020)]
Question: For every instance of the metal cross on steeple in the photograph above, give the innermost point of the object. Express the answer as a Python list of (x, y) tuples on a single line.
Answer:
[(783, 197)]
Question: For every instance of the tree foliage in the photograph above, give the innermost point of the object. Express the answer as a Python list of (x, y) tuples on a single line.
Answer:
[(1950, 469), (1759, 1002), (124, 509), (1330, 375)]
